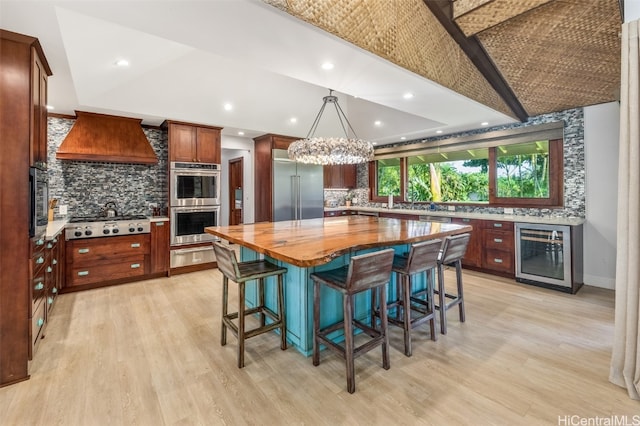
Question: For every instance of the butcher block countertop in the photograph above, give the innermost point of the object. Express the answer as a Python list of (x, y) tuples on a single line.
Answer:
[(313, 242)]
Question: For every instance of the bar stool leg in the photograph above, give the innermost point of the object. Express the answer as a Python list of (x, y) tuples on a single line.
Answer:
[(261, 300), (442, 300), (431, 303), (281, 314), (406, 310), (348, 341), (316, 323), (225, 300), (241, 325), (460, 295), (384, 326), (374, 309)]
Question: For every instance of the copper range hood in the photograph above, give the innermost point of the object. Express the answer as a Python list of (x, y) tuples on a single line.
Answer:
[(106, 138)]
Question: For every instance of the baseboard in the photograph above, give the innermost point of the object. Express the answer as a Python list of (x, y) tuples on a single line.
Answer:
[(602, 282)]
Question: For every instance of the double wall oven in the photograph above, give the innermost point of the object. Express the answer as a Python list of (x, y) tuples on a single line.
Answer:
[(195, 205)]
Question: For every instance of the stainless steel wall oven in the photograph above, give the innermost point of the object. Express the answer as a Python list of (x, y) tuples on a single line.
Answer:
[(194, 184), (188, 223)]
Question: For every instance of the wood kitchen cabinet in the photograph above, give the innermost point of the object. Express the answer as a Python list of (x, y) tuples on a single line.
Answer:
[(190, 143), (473, 256), (263, 189), (113, 259), (498, 246), (160, 236), (23, 87), (340, 176)]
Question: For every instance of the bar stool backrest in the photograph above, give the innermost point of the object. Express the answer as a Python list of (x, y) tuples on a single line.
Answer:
[(454, 248), (369, 270), (423, 256), (227, 262)]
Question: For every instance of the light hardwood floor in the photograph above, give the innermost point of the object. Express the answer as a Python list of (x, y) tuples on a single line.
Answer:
[(149, 353)]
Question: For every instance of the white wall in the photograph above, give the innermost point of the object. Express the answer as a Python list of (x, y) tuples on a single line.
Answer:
[(601, 132), (234, 147), (631, 10)]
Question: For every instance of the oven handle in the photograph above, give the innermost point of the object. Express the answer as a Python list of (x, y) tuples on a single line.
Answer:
[(191, 250)]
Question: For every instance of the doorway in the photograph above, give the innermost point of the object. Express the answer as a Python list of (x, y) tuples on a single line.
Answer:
[(236, 167)]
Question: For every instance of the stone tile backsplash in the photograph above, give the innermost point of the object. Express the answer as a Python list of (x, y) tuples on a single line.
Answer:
[(84, 187)]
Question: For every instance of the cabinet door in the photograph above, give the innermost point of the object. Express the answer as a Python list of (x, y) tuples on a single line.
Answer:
[(208, 145), (182, 143), (332, 177), (473, 256), (159, 247), (39, 105), (349, 175)]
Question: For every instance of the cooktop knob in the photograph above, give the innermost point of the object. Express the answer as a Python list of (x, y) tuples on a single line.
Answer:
[(140, 228), (132, 229), (105, 231), (77, 233), (115, 230), (88, 232)]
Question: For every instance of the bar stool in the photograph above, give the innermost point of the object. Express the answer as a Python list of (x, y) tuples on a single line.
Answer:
[(422, 259), (241, 272), (453, 250), (364, 272)]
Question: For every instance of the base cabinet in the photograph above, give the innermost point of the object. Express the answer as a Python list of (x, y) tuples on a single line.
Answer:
[(98, 260), (498, 247), (160, 235), (473, 256)]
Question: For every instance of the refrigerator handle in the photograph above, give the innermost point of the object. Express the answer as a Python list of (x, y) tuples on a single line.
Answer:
[(294, 197), (299, 201)]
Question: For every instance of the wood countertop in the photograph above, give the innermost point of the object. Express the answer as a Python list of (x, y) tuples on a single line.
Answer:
[(314, 242)]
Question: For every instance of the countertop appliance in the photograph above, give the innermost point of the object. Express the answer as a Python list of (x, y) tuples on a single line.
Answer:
[(549, 255), (100, 226), (298, 189)]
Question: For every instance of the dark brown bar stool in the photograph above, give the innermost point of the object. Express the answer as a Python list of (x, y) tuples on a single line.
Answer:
[(453, 250), (364, 272), (422, 259), (241, 272)]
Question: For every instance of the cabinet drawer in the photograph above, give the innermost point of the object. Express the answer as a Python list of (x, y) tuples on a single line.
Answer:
[(97, 272), (37, 322), (498, 260), (498, 240), (96, 249), (331, 213), (497, 224), (38, 284)]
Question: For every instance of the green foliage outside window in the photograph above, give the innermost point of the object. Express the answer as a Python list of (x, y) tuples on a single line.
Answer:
[(389, 177), (523, 170)]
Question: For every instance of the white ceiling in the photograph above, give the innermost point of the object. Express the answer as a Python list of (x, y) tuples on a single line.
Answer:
[(188, 58)]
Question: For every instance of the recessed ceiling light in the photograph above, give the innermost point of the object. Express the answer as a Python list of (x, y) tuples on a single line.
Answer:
[(408, 95), (378, 123), (438, 131), (484, 123), (374, 143), (403, 138), (293, 120), (49, 107), (228, 107), (327, 66), (122, 63), (241, 133)]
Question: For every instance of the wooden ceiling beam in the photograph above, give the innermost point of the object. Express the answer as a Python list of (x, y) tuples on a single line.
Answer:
[(442, 10)]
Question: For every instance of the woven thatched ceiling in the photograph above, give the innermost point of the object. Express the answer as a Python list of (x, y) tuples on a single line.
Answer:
[(552, 54)]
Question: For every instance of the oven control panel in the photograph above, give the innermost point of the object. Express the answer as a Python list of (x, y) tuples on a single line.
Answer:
[(106, 228)]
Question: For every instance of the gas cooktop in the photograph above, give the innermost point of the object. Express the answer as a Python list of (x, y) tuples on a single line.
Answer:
[(102, 226), (81, 219)]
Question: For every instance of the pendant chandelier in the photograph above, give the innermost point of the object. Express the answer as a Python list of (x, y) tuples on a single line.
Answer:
[(332, 150)]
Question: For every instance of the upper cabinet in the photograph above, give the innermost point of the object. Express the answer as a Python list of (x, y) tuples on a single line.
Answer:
[(190, 143), (340, 176), (40, 72)]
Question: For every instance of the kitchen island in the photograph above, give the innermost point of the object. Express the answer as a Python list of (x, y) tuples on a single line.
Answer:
[(306, 246)]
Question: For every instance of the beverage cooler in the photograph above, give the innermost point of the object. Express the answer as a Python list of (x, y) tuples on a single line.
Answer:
[(549, 255)]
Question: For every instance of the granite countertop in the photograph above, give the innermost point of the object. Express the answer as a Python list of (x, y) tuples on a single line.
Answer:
[(483, 216), (55, 228)]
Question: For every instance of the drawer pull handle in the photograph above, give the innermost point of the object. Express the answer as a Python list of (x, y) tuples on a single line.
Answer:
[(135, 245), (40, 322), (497, 225), (159, 223), (497, 240), (39, 242), (50, 300), (54, 261), (83, 250), (83, 273), (39, 286), (40, 260), (49, 245), (135, 265), (49, 269), (55, 240), (497, 260), (466, 220), (54, 290)]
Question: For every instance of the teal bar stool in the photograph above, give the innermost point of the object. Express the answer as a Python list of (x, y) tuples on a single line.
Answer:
[(453, 250), (370, 271), (241, 272)]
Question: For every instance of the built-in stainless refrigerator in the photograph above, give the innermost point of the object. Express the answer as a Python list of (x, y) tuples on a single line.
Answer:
[(298, 189)]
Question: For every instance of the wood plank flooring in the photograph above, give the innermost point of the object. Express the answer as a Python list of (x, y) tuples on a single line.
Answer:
[(149, 353)]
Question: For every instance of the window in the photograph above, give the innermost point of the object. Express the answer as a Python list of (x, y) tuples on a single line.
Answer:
[(525, 174)]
